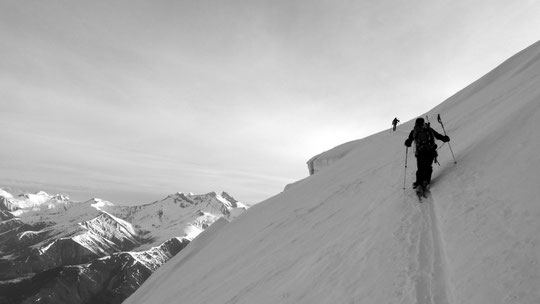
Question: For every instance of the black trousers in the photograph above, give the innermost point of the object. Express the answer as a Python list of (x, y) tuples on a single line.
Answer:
[(424, 162)]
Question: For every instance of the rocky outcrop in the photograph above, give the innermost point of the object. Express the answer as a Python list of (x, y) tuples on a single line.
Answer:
[(106, 280), (4, 215), (39, 246)]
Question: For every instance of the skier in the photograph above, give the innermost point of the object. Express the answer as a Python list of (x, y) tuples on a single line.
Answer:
[(426, 152), (394, 124)]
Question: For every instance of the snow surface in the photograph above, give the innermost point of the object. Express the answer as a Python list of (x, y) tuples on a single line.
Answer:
[(350, 234)]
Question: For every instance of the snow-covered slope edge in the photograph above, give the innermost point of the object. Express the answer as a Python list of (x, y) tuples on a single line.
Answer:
[(350, 234)]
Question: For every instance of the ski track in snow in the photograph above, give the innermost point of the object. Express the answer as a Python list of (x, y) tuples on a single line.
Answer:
[(428, 270)]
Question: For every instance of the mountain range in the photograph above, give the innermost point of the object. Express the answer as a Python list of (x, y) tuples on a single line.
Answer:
[(54, 250)]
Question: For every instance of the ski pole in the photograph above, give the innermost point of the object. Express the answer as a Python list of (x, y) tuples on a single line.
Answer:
[(449, 146), (405, 174)]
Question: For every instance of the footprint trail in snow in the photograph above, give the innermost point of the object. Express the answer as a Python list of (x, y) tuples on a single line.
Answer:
[(428, 271)]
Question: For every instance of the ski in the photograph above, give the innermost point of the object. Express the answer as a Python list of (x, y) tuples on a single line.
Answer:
[(420, 193), (425, 191)]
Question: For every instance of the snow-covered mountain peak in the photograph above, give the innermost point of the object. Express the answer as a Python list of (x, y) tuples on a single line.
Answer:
[(212, 203), (39, 198), (5, 194), (209, 202), (177, 198), (31, 202), (100, 204), (232, 200)]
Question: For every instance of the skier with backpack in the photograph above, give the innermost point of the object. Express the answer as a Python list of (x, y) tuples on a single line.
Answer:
[(426, 152), (394, 123)]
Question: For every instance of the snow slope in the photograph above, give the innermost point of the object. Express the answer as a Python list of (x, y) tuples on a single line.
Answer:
[(350, 234)]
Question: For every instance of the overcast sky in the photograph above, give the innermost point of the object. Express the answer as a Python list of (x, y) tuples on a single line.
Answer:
[(131, 101)]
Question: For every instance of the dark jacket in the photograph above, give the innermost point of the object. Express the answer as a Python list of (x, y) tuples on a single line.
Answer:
[(443, 138)]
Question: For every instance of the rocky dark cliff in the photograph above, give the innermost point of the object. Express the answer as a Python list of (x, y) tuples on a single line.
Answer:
[(106, 280)]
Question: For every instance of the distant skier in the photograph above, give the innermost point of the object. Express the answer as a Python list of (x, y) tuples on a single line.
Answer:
[(426, 151), (394, 123)]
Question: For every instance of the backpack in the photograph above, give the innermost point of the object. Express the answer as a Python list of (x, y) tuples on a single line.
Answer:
[(424, 139)]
